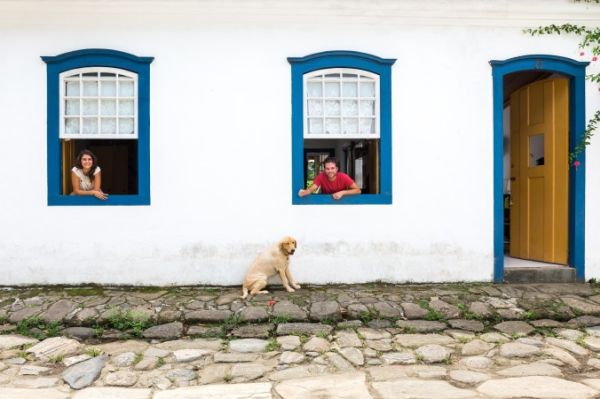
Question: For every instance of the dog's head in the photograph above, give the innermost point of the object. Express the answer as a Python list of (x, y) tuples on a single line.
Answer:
[(288, 245)]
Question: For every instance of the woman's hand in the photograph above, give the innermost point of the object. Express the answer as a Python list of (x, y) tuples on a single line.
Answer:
[(99, 194)]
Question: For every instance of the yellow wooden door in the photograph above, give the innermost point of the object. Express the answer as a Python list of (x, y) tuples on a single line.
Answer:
[(539, 144)]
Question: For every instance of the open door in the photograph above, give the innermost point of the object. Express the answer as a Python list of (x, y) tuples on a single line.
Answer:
[(539, 171)]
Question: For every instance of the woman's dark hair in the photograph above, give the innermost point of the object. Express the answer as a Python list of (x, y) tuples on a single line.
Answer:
[(78, 164)]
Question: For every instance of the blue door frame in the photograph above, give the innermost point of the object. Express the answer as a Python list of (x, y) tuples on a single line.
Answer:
[(575, 71)]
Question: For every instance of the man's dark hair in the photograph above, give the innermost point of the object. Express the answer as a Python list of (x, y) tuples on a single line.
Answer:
[(331, 160)]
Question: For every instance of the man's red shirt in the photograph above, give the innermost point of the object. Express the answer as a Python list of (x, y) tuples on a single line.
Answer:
[(342, 182)]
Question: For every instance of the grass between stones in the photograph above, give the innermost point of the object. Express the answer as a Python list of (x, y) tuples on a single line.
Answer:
[(37, 328), (128, 320)]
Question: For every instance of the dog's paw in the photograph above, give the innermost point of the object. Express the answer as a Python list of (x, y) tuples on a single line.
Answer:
[(296, 286), (290, 289), (263, 292)]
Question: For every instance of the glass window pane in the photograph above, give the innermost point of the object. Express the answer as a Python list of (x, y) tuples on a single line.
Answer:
[(72, 126), (332, 89), (90, 125), (315, 107), (536, 150), (125, 88), (90, 74), (108, 107), (126, 107), (332, 107), (108, 125), (349, 75), (72, 107), (108, 88), (350, 108), (367, 89), (367, 108), (349, 89), (315, 89), (366, 126), (126, 125), (90, 89), (90, 107), (107, 74), (332, 125), (332, 75), (350, 126), (72, 88), (315, 125)]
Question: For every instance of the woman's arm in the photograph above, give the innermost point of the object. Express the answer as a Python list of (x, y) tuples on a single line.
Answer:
[(95, 191)]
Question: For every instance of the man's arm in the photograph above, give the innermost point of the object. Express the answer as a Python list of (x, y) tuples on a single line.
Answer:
[(305, 192), (352, 190)]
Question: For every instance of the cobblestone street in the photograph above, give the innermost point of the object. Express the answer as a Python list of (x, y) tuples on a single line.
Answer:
[(360, 341)]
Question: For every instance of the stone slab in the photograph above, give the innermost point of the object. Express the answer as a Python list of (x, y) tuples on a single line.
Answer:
[(338, 386), (411, 388), (21, 393), (111, 393), (538, 387), (260, 390)]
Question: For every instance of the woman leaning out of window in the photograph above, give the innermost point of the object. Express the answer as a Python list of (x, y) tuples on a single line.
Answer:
[(86, 176)]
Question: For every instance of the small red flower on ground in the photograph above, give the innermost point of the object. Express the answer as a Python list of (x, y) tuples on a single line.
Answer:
[(271, 302)]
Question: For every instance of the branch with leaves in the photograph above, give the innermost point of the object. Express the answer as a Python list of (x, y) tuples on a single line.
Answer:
[(590, 41)]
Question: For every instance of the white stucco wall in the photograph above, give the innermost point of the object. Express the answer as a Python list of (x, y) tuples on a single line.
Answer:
[(221, 139)]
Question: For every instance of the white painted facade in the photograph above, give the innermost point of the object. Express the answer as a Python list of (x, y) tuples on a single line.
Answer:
[(220, 137)]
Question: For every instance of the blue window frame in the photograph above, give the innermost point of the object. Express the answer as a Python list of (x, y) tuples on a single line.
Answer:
[(375, 68), (75, 65)]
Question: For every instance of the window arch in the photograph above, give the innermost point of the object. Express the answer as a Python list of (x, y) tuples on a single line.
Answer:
[(341, 106), (99, 99)]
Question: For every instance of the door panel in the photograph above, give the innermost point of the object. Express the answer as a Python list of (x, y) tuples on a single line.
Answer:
[(539, 171)]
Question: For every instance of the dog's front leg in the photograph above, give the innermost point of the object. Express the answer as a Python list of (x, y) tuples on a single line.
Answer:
[(293, 282), (284, 280)]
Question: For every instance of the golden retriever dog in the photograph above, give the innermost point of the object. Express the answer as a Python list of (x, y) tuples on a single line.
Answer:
[(272, 261)]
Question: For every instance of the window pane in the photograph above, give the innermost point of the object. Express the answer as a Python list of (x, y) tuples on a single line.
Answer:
[(332, 125), (332, 75), (90, 107), (126, 125), (90, 89), (350, 108), (108, 125), (125, 88), (315, 107), (72, 107), (536, 150), (350, 126), (332, 108), (72, 88), (332, 89), (366, 126), (349, 89), (91, 74), (108, 88), (107, 75), (72, 126), (349, 75), (315, 125), (315, 89), (367, 89), (90, 125), (126, 107), (367, 108), (108, 107)]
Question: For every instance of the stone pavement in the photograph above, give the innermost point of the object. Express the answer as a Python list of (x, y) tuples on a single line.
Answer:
[(360, 341)]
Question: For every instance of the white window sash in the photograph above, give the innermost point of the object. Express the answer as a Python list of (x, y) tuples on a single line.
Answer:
[(305, 98), (67, 76)]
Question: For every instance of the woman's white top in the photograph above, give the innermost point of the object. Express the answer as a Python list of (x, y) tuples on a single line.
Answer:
[(84, 181)]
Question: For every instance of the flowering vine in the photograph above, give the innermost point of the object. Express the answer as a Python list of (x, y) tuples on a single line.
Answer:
[(590, 41)]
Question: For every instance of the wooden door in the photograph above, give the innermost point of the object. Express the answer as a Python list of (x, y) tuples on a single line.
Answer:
[(539, 120)]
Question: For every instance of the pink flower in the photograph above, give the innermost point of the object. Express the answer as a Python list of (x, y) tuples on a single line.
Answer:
[(582, 54), (576, 163), (594, 58), (271, 302)]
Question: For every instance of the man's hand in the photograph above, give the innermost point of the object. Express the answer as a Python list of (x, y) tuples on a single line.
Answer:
[(338, 195), (303, 193)]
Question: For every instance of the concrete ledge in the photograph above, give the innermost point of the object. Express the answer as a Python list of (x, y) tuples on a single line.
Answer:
[(526, 275)]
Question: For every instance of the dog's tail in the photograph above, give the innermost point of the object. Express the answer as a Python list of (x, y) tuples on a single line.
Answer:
[(244, 292)]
